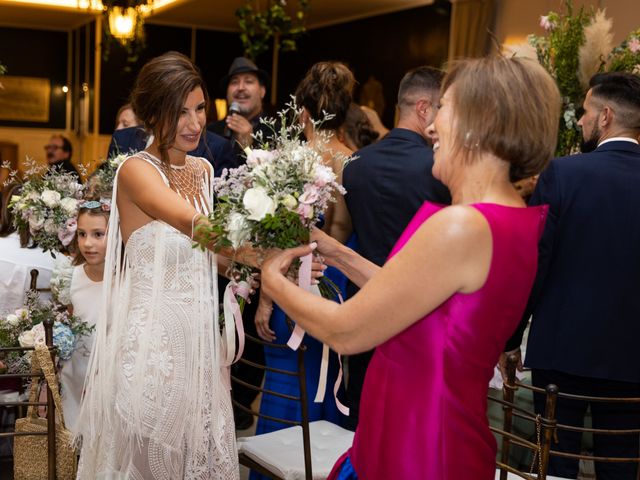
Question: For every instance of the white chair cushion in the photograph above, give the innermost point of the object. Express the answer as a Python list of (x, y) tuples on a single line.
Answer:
[(513, 476), (282, 453)]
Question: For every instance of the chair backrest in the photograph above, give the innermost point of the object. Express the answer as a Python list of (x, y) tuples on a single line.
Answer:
[(600, 431), (544, 427), (302, 399), (33, 283), (50, 404)]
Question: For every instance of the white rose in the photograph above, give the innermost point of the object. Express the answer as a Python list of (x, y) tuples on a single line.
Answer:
[(50, 198), (258, 157), (12, 319), (27, 339), (258, 203), (323, 175), (290, 202), (238, 229), (35, 223), (34, 196), (50, 226), (69, 205)]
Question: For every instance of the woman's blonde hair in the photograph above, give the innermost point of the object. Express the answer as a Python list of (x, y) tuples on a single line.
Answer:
[(509, 107)]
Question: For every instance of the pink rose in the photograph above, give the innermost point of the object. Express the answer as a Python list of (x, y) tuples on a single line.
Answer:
[(634, 45), (66, 234), (310, 194), (305, 211)]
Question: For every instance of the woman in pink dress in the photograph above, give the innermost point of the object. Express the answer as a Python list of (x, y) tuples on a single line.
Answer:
[(453, 289)]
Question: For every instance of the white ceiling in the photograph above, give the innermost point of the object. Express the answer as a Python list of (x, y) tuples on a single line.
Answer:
[(209, 14)]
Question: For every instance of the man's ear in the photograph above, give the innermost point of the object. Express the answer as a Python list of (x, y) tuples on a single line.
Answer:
[(607, 116), (423, 107), (263, 91)]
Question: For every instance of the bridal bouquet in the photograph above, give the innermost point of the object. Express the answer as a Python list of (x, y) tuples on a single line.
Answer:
[(47, 209), (277, 196), (24, 328)]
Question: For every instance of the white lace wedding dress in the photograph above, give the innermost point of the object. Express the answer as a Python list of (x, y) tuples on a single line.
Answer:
[(157, 403)]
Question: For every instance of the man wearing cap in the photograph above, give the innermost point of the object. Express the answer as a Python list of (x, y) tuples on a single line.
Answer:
[(246, 86)]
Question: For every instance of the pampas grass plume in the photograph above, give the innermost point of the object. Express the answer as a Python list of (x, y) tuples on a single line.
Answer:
[(597, 45)]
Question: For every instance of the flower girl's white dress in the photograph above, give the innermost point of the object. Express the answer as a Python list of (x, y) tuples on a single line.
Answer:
[(157, 403), (85, 298)]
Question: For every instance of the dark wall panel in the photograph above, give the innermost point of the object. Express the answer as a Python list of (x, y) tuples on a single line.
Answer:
[(37, 53), (118, 74), (385, 47)]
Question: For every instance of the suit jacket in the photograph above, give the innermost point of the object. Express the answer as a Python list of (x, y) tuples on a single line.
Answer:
[(219, 127), (214, 148), (386, 185), (585, 300)]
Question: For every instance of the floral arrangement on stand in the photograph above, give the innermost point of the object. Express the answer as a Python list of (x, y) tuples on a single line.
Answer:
[(101, 182), (576, 46), (24, 328), (47, 208), (275, 199)]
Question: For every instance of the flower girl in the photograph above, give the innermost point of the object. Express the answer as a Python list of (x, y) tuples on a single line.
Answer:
[(86, 292)]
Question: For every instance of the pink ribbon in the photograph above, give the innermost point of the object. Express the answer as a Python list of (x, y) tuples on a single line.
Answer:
[(304, 281), (232, 310)]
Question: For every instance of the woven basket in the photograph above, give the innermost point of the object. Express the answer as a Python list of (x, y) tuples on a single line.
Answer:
[(30, 459)]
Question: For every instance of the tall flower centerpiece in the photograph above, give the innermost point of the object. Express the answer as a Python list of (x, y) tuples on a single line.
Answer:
[(24, 328), (558, 52), (47, 208), (575, 46)]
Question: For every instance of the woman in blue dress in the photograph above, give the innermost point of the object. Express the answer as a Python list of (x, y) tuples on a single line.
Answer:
[(327, 87)]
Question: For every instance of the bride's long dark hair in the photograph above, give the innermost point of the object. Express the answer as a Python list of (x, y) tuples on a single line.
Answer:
[(159, 93)]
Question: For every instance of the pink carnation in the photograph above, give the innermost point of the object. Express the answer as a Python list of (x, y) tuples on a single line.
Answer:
[(634, 45)]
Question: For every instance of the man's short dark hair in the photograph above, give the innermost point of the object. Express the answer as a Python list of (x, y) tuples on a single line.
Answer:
[(419, 81), (623, 90)]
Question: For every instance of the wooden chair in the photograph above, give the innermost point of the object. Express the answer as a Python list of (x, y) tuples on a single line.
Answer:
[(304, 450), (544, 426), (51, 422), (599, 431)]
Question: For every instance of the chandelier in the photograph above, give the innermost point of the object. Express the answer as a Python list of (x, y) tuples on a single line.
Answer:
[(126, 17)]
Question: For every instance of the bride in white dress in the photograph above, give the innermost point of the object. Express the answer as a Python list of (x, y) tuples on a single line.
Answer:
[(157, 403)]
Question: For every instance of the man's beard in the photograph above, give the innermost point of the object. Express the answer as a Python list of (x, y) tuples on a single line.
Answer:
[(590, 144)]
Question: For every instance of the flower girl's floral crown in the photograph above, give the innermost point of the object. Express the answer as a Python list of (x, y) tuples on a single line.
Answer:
[(104, 204)]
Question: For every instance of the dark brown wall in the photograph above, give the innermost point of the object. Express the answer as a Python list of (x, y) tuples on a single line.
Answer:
[(385, 47)]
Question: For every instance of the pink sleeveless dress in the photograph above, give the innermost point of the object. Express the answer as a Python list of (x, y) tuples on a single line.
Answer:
[(423, 407)]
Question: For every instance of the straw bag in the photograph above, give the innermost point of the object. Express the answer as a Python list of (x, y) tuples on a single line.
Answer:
[(30, 459)]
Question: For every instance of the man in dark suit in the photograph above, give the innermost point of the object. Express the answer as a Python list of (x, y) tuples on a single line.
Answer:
[(245, 86), (386, 184), (59, 151), (585, 330), (212, 147)]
